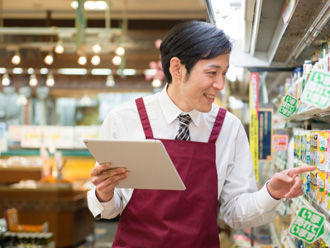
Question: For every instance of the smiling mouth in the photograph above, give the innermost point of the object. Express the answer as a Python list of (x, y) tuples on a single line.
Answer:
[(209, 96)]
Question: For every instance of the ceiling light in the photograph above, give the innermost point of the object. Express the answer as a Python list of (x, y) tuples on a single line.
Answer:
[(49, 59), (30, 71), (126, 72), (156, 83), (85, 101), (74, 4), (150, 72), (50, 80), (95, 60), (91, 5), (120, 51), (21, 100), (16, 59), (43, 71), (72, 71), (17, 70), (110, 81), (33, 80), (3, 70), (95, 5), (116, 60), (96, 48), (5, 80), (59, 49), (82, 60), (101, 71)]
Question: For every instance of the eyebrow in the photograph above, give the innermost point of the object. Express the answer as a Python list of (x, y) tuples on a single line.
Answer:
[(216, 66)]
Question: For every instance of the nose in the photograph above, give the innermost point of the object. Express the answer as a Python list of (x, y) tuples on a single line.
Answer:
[(219, 83)]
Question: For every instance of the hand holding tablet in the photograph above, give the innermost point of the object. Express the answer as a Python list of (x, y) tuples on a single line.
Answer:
[(147, 162)]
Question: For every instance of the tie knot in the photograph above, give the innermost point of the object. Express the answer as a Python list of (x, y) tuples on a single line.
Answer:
[(184, 118)]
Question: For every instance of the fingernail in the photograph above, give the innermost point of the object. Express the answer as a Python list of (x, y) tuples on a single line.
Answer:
[(289, 179)]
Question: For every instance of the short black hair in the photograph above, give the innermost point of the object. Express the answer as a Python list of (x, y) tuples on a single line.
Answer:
[(192, 41)]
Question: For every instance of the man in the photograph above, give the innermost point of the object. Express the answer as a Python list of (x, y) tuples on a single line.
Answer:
[(212, 156)]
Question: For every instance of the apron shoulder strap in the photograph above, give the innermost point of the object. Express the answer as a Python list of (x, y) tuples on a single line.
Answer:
[(217, 125), (144, 118)]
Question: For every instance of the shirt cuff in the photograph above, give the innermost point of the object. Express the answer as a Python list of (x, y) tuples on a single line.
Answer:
[(265, 201), (97, 207)]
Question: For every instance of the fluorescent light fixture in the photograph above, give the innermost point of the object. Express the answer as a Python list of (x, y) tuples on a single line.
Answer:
[(72, 71), (5, 80), (91, 5), (17, 70), (150, 72), (126, 72), (43, 71), (120, 51), (116, 60), (3, 70), (101, 71), (30, 71), (95, 60), (156, 83)]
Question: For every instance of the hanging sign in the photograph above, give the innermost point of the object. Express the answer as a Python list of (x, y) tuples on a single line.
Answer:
[(288, 106), (317, 89), (280, 142), (265, 117), (308, 225), (253, 130)]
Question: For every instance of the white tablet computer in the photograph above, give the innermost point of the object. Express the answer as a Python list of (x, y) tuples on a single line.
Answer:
[(147, 160)]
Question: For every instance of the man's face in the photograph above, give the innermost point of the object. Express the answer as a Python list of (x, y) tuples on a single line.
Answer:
[(199, 89)]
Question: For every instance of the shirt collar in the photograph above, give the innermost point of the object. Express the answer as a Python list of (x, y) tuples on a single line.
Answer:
[(171, 111)]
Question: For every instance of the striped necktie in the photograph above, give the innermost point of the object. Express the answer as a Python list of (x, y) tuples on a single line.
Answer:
[(183, 133)]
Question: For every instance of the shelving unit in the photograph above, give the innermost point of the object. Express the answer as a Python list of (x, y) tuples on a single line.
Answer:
[(305, 112)]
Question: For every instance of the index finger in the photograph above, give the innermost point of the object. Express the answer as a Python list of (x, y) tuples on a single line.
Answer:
[(99, 168), (299, 170)]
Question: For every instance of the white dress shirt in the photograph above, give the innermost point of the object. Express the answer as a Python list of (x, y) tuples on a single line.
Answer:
[(242, 205)]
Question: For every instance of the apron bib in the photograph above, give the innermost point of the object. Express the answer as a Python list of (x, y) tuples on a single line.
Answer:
[(166, 218)]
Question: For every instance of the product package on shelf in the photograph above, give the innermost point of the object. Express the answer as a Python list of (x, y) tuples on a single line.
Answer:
[(313, 148)]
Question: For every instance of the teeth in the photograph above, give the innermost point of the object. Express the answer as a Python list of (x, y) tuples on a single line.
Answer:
[(209, 96)]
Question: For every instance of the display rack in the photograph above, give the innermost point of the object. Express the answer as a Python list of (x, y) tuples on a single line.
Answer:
[(305, 112)]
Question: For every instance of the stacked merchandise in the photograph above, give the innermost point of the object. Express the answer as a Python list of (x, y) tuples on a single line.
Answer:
[(313, 148), (320, 60), (310, 147), (27, 239)]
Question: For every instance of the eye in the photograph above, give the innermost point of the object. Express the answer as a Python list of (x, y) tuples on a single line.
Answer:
[(213, 73)]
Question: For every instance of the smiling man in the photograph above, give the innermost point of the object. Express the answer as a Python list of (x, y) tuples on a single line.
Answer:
[(207, 145)]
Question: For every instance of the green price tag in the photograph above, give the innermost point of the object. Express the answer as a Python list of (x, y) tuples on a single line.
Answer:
[(317, 90), (288, 106), (307, 225)]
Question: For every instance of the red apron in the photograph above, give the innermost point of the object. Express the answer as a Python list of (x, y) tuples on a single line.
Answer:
[(165, 218)]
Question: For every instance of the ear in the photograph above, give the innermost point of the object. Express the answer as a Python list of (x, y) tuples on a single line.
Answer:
[(176, 68)]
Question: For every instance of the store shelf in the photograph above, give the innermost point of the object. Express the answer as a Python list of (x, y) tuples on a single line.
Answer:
[(305, 112), (274, 234), (288, 242)]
